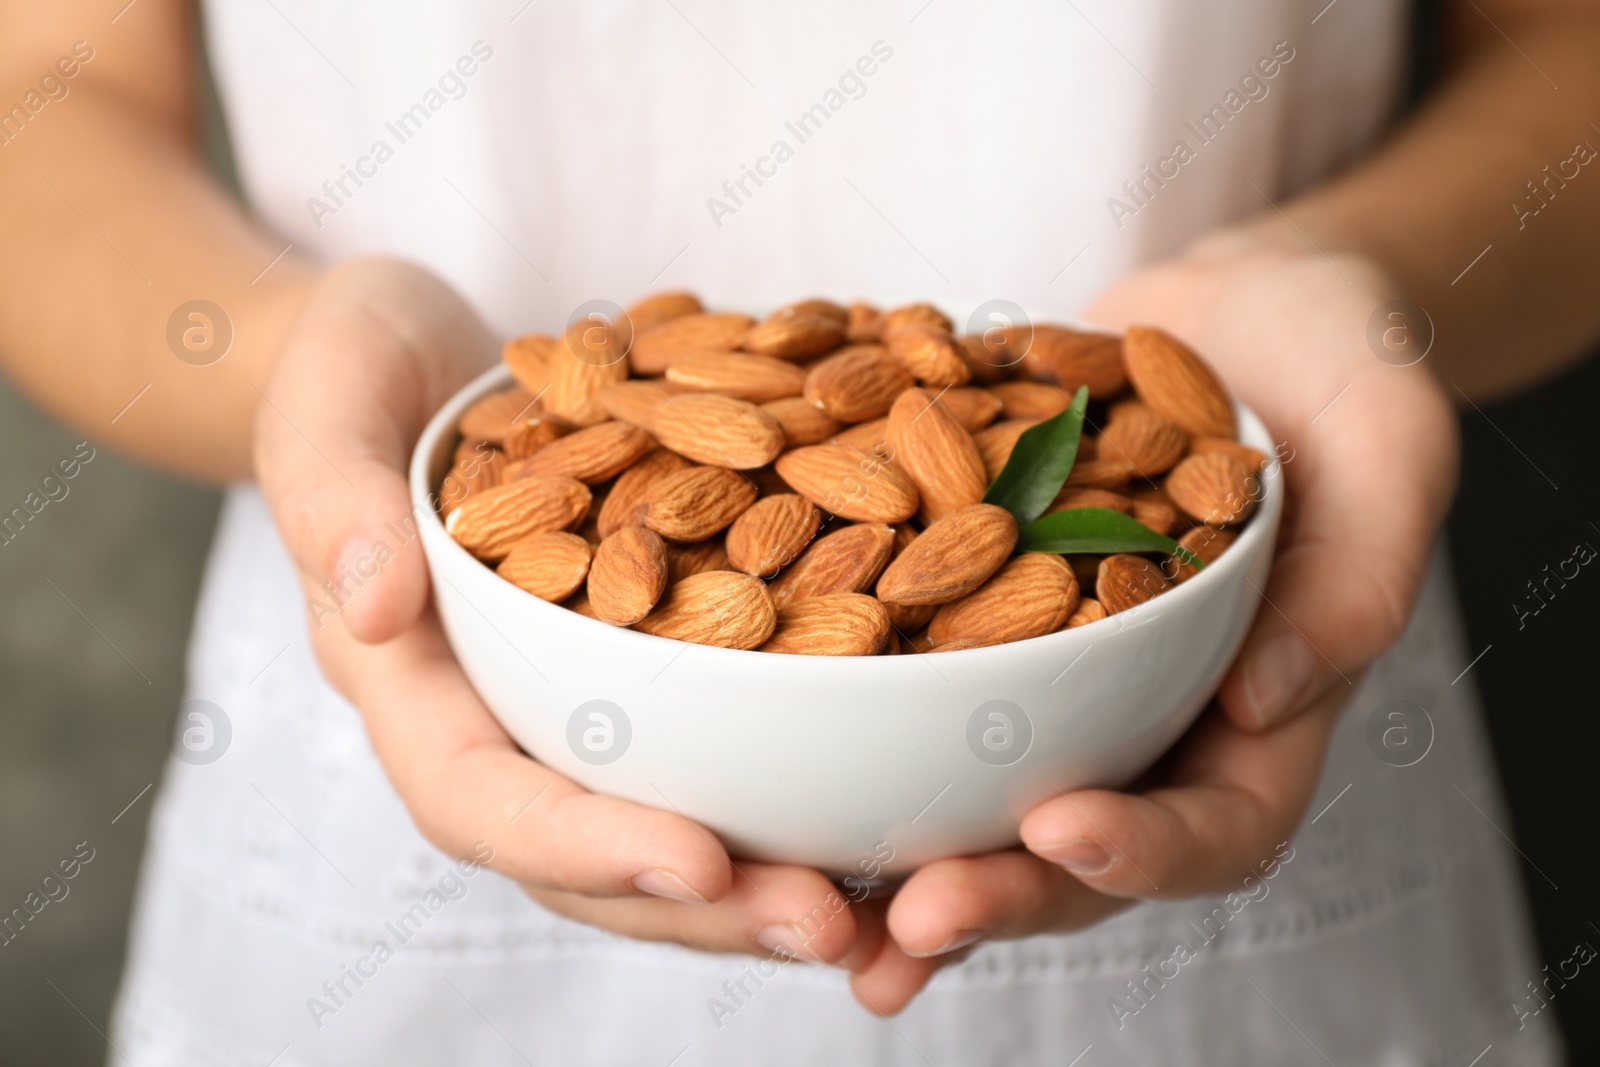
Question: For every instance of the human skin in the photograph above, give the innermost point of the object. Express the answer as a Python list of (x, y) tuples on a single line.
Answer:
[(334, 370)]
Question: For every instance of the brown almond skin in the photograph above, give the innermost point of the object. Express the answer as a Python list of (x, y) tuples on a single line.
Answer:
[(1087, 568), (972, 407), (722, 608), (996, 442), (1158, 515), (628, 576), (1071, 358), (621, 505), (592, 455), (795, 335), (857, 383), (864, 324), (1068, 499), (1125, 582), (530, 433), (909, 618), (1030, 400), (1253, 458), (696, 558), (718, 431), (1152, 444), (816, 305), (489, 418), (589, 358), (845, 561), (937, 453), (850, 483), (657, 348), (916, 315), (551, 566), (1032, 595), (1178, 385), (633, 400), (771, 533), (1089, 610), (490, 522), (1206, 542), (929, 353), (951, 558), (476, 468), (870, 437), (803, 423), (1214, 488), (697, 503), (835, 624), (757, 379), (651, 311), (1100, 474), (528, 358)]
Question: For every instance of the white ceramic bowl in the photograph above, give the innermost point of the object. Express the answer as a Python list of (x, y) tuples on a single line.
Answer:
[(869, 766)]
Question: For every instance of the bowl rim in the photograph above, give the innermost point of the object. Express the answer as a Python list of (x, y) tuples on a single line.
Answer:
[(1250, 543)]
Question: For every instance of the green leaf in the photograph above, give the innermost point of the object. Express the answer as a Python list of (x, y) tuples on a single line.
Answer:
[(1097, 530), (1040, 463)]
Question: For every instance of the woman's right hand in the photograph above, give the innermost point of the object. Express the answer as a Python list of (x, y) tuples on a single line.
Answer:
[(380, 346)]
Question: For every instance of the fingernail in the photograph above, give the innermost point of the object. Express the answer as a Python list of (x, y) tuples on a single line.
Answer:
[(786, 941), (1276, 675), (958, 941), (1080, 856), (663, 883)]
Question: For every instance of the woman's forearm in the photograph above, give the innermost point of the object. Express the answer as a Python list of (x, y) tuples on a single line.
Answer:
[(111, 226), (1440, 194)]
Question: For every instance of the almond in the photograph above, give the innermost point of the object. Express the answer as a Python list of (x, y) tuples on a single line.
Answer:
[(1089, 610), (795, 335), (864, 325), (580, 604), (1125, 582), (1156, 514), (696, 503), (529, 434), (717, 430), (965, 643), (1070, 498), (845, 561), (837, 624), (1071, 358), (817, 306), (723, 608), (870, 437), (916, 315), (738, 374), (973, 408), (917, 643), (686, 560), (951, 558), (1100, 474), (657, 348), (628, 576), (1144, 439), (1033, 594), (548, 565), (594, 455), (929, 353), (588, 359), (632, 400), (621, 506), (1030, 400), (857, 383), (938, 455), (1253, 458), (528, 357), (653, 310), (490, 418), (472, 473), (490, 522), (1206, 542), (803, 422), (996, 442), (850, 483), (909, 618), (771, 533), (1179, 385), (1214, 488)]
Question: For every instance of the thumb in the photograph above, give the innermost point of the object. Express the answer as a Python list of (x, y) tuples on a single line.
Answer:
[(379, 348)]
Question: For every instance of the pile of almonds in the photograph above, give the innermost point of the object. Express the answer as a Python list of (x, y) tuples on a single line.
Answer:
[(812, 483)]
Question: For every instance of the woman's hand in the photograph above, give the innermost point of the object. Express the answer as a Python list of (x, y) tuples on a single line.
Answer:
[(380, 346), (1369, 460)]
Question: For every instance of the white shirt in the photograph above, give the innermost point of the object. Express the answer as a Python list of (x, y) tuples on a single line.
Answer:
[(539, 155)]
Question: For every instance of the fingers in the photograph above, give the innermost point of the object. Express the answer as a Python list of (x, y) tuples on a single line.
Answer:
[(380, 346), (467, 785), (1234, 796), (792, 912)]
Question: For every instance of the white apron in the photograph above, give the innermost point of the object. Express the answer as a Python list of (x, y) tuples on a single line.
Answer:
[(539, 156)]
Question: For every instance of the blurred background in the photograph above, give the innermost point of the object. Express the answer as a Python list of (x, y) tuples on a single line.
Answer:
[(97, 594)]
